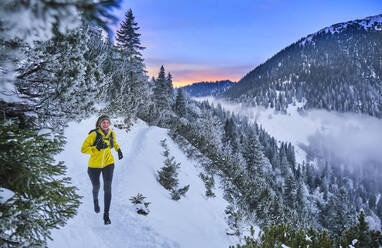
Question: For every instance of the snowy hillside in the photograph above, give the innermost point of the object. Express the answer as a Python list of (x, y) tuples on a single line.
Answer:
[(336, 68), (193, 221), (371, 22)]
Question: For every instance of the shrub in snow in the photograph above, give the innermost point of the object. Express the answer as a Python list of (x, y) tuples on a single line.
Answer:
[(177, 193), (168, 175), (209, 182), (141, 205), (234, 217)]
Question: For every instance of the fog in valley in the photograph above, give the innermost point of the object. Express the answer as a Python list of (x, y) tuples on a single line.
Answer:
[(344, 139)]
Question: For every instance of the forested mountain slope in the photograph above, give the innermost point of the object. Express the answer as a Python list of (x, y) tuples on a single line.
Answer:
[(207, 88), (338, 68)]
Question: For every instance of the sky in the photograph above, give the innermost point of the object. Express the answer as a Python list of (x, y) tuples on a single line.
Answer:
[(209, 40)]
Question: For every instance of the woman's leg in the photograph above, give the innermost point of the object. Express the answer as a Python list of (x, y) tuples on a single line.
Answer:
[(107, 174), (94, 174)]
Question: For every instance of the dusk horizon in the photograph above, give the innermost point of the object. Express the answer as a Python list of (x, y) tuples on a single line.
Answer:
[(222, 40)]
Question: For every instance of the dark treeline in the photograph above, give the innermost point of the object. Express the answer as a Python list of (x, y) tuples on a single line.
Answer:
[(200, 89)]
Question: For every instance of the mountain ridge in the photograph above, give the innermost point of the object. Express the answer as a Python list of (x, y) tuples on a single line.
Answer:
[(337, 68), (207, 88)]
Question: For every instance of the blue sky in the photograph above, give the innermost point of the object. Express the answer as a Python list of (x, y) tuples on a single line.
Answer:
[(208, 40)]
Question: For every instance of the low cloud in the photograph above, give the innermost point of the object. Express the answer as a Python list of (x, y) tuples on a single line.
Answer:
[(344, 138), (353, 138)]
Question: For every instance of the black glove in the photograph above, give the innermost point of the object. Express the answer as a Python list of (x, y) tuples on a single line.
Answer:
[(120, 155), (101, 145)]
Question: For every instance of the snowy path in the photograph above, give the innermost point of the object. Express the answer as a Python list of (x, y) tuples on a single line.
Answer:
[(194, 221)]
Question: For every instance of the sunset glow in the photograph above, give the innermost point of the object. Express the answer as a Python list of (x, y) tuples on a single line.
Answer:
[(183, 77), (221, 40)]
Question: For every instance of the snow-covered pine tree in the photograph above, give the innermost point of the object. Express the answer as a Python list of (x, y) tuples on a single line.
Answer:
[(209, 183), (128, 37), (290, 192), (44, 198), (60, 79), (234, 217), (230, 134), (128, 92), (177, 193), (163, 98), (168, 175), (254, 156), (170, 87), (180, 103), (360, 235), (285, 166), (379, 208), (45, 20)]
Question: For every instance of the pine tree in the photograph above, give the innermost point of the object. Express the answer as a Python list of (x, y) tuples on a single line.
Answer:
[(169, 85), (60, 79), (44, 198), (128, 92), (128, 37), (379, 208), (284, 163), (180, 103), (168, 175), (230, 134), (363, 232), (290, 192), (45, 21), (234, 219), (209, 183), (163, 96), (254, 156)]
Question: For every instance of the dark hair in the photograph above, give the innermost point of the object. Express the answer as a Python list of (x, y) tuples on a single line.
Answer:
[(101, 119)]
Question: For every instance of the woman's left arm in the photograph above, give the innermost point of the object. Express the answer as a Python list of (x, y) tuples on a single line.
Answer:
[(116, 147), (115, 144)]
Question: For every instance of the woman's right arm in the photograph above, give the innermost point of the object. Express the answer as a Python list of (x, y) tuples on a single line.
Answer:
[(87, 146)]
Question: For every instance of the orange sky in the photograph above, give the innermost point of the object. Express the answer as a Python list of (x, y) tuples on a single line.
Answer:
[(186, 75)]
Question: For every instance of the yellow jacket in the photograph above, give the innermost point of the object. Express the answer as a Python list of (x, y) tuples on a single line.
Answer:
[(102, 158)]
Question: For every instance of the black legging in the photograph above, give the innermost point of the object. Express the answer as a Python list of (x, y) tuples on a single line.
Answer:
[(107, 175)]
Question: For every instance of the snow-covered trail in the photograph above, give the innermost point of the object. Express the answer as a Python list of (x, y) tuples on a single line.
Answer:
[(193, 221)]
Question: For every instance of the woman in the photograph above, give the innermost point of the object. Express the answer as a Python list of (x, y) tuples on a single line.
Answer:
[(98, 144)]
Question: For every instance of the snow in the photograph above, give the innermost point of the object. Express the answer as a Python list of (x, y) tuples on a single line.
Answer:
[(371, 22), (5, 195), (7, 91), (35, 21), (193, 221), (374, 222), (307, 238)]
